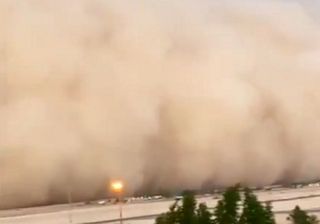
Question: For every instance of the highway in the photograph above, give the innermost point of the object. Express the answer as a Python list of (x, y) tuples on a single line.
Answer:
[(144, 212)]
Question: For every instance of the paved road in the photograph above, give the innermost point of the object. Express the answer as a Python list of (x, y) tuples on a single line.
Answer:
[(144, 213)]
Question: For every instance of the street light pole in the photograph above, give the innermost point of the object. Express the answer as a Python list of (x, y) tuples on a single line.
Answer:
[(120, 207), (117, 187), (70, 204)]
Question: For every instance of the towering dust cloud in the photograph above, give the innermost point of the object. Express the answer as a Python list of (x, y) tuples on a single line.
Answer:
[(163, 94)]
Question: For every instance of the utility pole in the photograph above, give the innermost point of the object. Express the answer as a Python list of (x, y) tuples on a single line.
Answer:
[(117, 187), (69, 194)]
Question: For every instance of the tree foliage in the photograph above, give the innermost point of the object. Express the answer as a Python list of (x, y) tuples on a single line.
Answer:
[(187, 212), (226, 211), (298, 216), (188, 208), (254, 212), (203, 214), (229, 211), (171, 217)]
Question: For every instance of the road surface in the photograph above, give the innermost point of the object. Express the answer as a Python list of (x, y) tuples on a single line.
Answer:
[(284, 200)]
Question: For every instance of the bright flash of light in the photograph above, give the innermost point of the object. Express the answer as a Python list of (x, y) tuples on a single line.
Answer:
[(116, 186)]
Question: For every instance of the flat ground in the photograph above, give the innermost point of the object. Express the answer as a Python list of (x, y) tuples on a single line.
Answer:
[(144, 212)]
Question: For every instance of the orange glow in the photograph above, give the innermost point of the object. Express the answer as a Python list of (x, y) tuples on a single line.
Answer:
[(116, 186)]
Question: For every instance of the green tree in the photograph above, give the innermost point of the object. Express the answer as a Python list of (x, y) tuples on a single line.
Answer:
[(203, 214), (254, 212), (219, 213), (226, 211), (188, 209), (187, 213), (298, 216), (269, 214), (170, 217), (161, 219)]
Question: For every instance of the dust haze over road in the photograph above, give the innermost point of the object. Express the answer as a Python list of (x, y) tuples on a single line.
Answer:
[(162, 94)]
